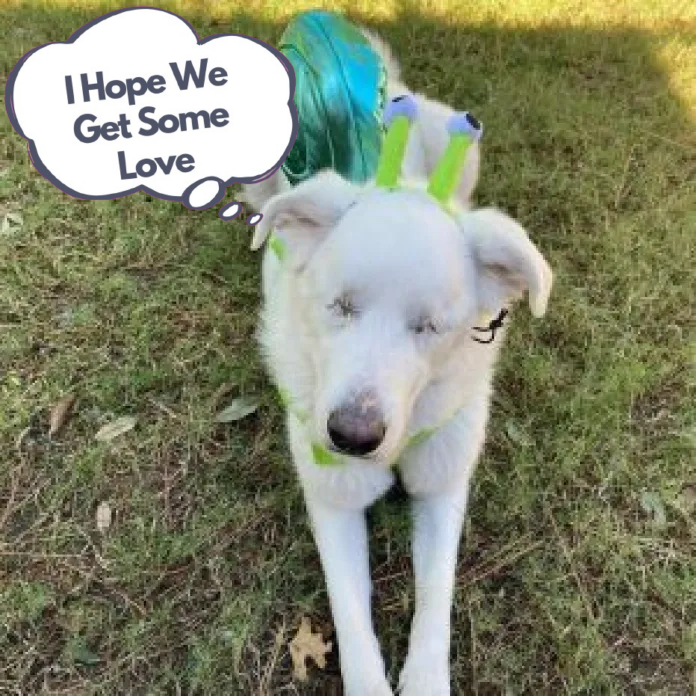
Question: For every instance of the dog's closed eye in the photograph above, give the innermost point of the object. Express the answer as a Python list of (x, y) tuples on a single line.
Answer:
[(344, 307), (424, 325)]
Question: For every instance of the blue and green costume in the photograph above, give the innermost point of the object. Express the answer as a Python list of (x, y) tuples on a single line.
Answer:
[(340, 94)]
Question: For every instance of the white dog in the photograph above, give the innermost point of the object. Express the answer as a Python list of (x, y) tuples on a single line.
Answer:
[(367, 329)]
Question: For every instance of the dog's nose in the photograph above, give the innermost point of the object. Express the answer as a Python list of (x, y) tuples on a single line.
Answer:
[(357, 428)]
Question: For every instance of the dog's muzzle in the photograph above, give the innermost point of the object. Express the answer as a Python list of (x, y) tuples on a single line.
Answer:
[(357, 427)]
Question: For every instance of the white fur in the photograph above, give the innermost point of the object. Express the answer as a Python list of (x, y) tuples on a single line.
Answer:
[(399, 257)]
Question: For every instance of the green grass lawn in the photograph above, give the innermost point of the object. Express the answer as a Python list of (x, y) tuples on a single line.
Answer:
[(578, 567)]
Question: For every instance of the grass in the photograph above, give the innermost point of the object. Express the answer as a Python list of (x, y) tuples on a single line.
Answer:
[(578, 566)]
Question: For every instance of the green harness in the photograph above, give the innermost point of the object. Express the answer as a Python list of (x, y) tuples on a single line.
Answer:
[(324, 457)]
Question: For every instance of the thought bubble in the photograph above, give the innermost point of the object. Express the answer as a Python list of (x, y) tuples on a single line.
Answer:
[(134, 101), (230, 211)]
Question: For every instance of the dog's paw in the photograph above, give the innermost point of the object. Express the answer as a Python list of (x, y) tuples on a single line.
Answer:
[(423, 682), (362, 669), (425, 673), (366, 687)]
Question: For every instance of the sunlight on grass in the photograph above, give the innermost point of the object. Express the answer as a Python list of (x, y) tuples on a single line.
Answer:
[(646, 14), (678, 57), (219, 10), (653, 14)]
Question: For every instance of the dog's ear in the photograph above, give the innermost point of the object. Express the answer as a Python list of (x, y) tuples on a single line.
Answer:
[(508, 262), (302, 217)]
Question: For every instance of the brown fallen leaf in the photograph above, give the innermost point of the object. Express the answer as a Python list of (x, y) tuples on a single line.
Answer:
[(688, 497), (10, 223), (307, 644), (59, 414), (221, 392), (115, 428), (240, 407), (103, 517)]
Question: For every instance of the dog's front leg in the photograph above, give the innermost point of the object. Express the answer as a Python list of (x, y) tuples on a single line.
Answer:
[(437, 528), (341, 537)]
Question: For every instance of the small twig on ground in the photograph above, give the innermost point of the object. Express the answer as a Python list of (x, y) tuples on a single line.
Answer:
[(9, 506), (264, 685)]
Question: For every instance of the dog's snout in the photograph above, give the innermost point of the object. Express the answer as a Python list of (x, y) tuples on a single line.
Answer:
[(357, 427)]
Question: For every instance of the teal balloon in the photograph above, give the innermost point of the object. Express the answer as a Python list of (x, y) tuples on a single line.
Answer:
[(340, 94)]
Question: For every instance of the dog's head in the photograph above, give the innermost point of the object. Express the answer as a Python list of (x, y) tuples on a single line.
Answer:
[(391, 286)]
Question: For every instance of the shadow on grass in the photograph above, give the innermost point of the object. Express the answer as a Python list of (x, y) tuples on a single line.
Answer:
[(586, 145)]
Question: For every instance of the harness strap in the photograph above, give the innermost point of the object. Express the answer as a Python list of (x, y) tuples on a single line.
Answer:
[(324, 457)]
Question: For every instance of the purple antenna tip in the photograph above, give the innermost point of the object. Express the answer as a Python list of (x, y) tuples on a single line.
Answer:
[(465, 124), (400, 106)]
